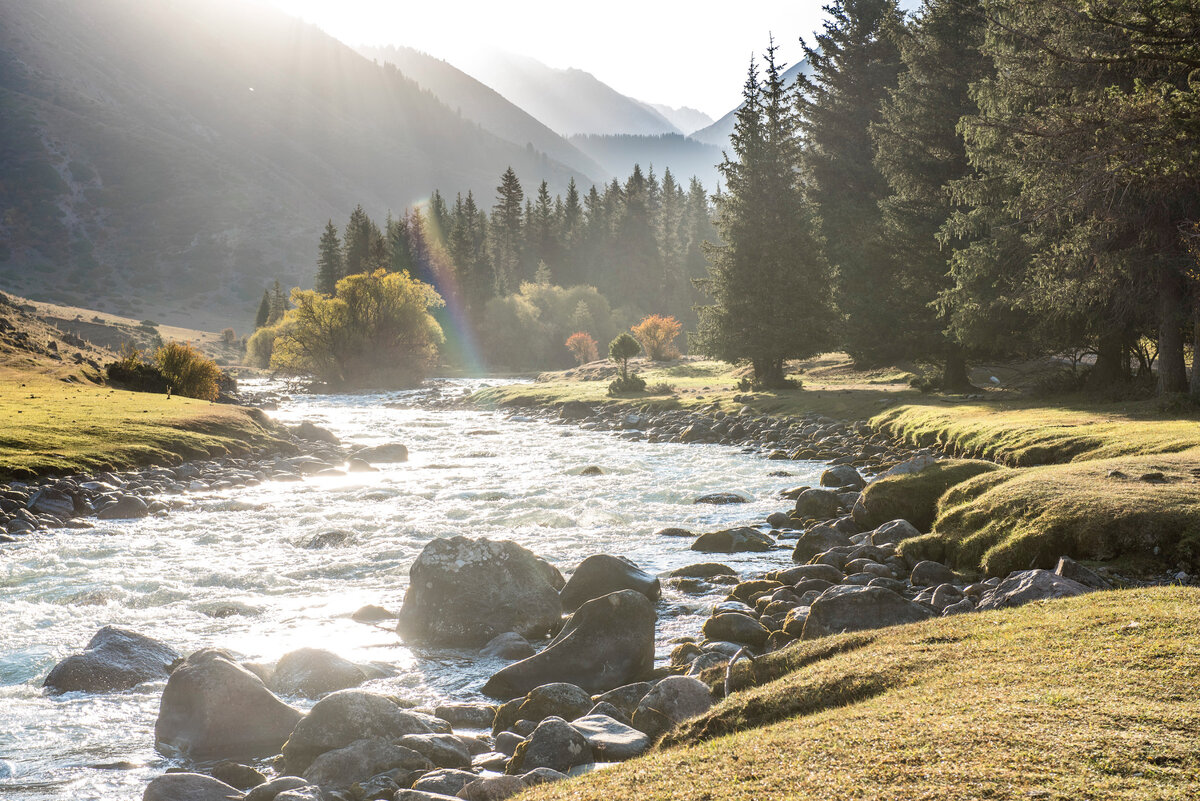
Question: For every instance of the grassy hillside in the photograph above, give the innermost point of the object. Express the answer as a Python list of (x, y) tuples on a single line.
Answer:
[(1087, 698)]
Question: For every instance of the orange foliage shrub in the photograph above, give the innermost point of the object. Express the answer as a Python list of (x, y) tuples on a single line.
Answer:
[(583, 347), (657, 335)]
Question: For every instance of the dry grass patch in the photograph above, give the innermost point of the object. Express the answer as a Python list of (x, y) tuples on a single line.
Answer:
[(1060, 700)]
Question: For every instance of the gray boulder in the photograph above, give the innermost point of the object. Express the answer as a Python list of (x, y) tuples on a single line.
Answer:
[(735, 627), (820, 504), (542, 776), (553, 744), (359, 761), (842, 475), (1026, 586), (312, 672), (913, 465), (382, 454), (443, 750), (608, 642), (126, 507), (214, 708), (189, 787), (795, 575), (601, 574), (268, 791), (609, 739), (894, 532), (468, 716), (344, 717), (672, 701), (818, 540), (114, 659), (854, 608), (625, 698), (1070, 569), (733, 540), (493, 788), (558, 699), (446, 781), (931, 574), (508, 645), (721, 498), (463, 592)]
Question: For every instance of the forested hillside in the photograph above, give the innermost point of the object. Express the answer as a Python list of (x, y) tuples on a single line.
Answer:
[(172, 159)]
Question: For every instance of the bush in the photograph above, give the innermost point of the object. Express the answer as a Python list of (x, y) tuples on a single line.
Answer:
[(527, 329), (657, 334), (627, 385), (260, 346), (661, 388), (133, 372), (189, 372), (583, 347), (228, 336), (621, 350)]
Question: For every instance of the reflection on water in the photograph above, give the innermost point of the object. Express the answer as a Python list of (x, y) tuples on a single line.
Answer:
[(237, 570)]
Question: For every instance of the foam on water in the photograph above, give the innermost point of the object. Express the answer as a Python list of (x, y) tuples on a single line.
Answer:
[(233, 571)]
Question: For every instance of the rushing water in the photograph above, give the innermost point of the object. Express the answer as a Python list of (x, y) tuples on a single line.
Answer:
[(232, 571)]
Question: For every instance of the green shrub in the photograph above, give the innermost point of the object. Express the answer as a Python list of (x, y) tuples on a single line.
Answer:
[(188, 372), (131, 371), (624, 385)]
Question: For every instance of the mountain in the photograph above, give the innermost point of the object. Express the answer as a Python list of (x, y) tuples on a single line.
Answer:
[(685, 156), (570, 101), (719, 132), (684, 118), (170, 158), (481, 104)]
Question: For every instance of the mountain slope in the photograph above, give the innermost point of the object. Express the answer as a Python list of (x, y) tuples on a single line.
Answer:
[(570, 101), (719, 132), (685, 118), (684, 156), (171, 159), (480, 103)]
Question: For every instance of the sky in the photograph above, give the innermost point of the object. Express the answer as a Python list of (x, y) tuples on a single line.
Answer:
[(674, 52)]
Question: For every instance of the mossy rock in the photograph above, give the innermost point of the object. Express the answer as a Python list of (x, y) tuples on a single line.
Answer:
[(914, 496)]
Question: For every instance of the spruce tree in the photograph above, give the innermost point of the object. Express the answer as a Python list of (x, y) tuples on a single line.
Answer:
[(264, 311), (507, 229), (356, 242), (854, 63), (330, 268), (767, 279)]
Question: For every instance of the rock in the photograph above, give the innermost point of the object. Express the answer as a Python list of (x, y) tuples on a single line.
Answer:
[(817, 540), (931, 574), (213, 708), (508, 645), (558, 699), (592, 470), (672, 701), (359, 761), (608, 642), (1026, 586), (1070, 569), (625, 698), (842, 475), (961, 607), (127, 507), (507, 742), (383, 454), (493, 788), (733, 540), (468, 716), (703, 570), (914, 465), (312, 672), (721, 498), (542, 776), (189, 787), (418, 795), (315, 433), (443, 750), (344, 717), (819, 504), (243, 777), (673, 532), (114, 659), (309, 792), (356, 465), (894, 532), (601, 574), (574, 410), (853, 608), (268, 791), (609, 739), (795, 575), (464, 592), (54, 502), (553, 744), (734, 627), (372, 614), (608, 710), (781, 520), (446, 782)]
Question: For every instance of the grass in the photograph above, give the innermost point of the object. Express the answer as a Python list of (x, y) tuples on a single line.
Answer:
[(1059, 700), (50, 426), (914, 496)]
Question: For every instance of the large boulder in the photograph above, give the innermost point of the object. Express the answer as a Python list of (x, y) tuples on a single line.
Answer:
[(443, 750), (1070, 569), (463, 592), (601, 574), (852, 608), (671, 701), (894, 532), (558, 699), (493, 788), (553, 744), (817, 540), (733, 540), (608, 642), (819, 504), (444, 782), (382, 454), (931, 574), (735, 627), (126, 507), (114, 659), (842, 475), (360, 760), (609, 739), (312, 672), (189, 787), (342, 718), (213, 708), (1026, 586)]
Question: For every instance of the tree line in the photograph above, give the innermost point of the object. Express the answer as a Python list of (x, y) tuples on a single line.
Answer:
[(984, 178)]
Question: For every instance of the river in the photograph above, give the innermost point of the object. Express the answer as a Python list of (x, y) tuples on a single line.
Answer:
[(232, 569)]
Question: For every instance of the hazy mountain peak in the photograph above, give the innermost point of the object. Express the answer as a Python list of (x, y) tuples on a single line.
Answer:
[(685, 118)]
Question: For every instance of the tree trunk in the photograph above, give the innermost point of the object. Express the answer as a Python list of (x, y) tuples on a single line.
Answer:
[(1112, 361), (954, 374), (1172, 373), (1195, 386)]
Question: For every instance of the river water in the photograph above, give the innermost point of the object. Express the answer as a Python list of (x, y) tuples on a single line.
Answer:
[(232, 571)]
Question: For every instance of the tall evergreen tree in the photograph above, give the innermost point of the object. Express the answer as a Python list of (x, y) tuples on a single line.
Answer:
[(767, 280), (264, 311), (507, 229), (854, 63), (356, 242), (330, 269)]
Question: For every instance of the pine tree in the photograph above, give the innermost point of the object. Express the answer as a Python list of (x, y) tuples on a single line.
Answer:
[(279, 304), (330, 268), (356, 241), (854, 63), (507, 229), (264, 311), (768, 280)]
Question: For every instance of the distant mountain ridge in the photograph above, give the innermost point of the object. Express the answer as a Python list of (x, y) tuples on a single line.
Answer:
[(171, 159), (719, 132), (684, 118)]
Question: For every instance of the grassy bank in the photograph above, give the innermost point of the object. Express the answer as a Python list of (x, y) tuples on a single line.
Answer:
[(54, 426), (1087, 698)]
